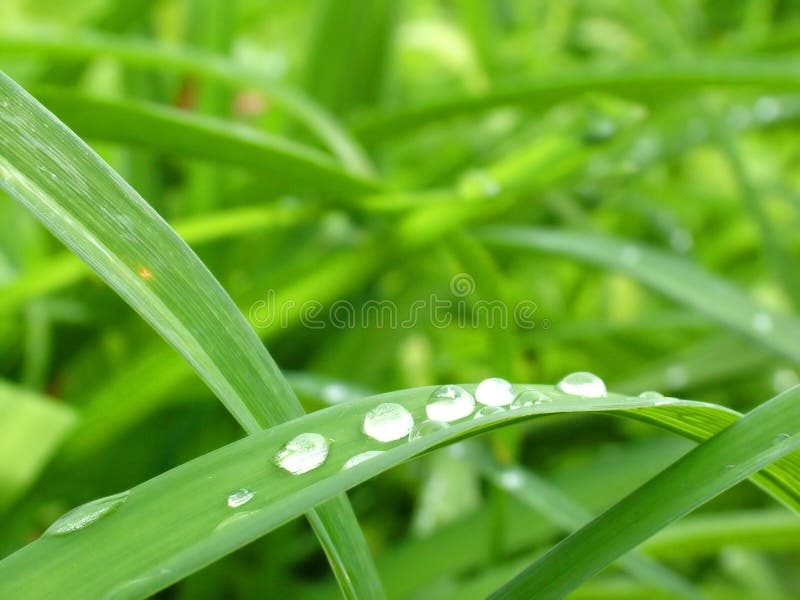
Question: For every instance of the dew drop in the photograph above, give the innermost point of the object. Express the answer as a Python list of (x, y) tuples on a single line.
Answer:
[(303, 453), (449, 403), (512, 479), (426, 428), (486, 411), (388, 422), (584, 384), (240, 497), (657, 398), (360, 458), (780, 438), (762, 322), (86, 514), (494, 392), (530, 398)]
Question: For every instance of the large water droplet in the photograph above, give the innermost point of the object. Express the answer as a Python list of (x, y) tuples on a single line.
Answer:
[(486, 411), (240, 497), (86, 514), (584, 384), (449, 403), (388, 422), (426, 428), (359, 458), (303, 453), (494, 392)]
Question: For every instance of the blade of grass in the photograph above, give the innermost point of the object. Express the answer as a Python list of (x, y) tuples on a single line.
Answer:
[(84, 203), (144, 53), (561, 509), (668, 274), (195, 136), (770, 431), (32, 428), (178, 522)]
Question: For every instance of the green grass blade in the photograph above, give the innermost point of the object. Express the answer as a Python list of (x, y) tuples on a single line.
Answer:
[(349, 52), (66, 269), (769, 432), (143, 53), (195, 136), (32, 428), (643, 82), (668, 274), (173, 525), (84, 203), (548, 500)]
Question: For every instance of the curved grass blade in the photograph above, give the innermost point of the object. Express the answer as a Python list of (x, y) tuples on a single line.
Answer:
[(178, 522), (97, 215), (643, 82), (668, 274), (768, 432), (143, 53), (65, 269), (200, 137)]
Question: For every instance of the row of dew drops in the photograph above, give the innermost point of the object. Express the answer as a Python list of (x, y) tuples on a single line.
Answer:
[(387, 422)]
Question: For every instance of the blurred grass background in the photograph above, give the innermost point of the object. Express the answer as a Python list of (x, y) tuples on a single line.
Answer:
[(669, 123)]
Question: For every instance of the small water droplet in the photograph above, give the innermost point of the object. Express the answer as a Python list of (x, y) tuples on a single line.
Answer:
[(494, 392), (86, 514), (359, 458), (530, 398), (486, 411), (584, 384), (512, 479), (303, 453), (426, 428), (388, 422), (449, 403), (657, 398), (762, 322), (780, 438), (240, 497)]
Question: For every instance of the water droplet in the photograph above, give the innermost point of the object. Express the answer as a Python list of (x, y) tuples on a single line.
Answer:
[(780, 438), (388, 422), (762, 322), (494, 392), (359, 458), (303, 453), (86, 514), (657, 398), (586, 385), (485, 411), (530, 398), (477, 184), (630, 255), (240, 497), (449, 403), (426, 428), (512, 479)]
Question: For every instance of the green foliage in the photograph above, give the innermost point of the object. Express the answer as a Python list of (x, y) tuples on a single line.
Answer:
[(391, 196)]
